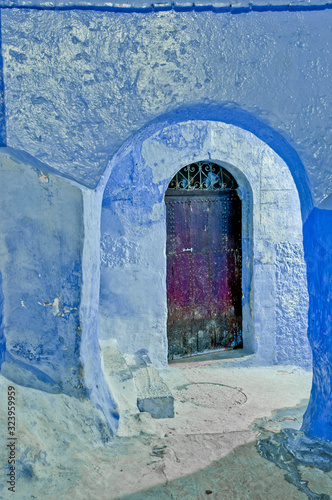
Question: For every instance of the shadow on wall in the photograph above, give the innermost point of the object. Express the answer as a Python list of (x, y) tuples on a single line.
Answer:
[(40, 256)]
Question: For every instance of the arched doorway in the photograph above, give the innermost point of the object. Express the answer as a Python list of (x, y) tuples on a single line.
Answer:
[(133, 288), (204, 295)]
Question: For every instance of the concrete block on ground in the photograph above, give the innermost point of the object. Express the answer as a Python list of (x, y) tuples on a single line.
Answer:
[(153, 395)]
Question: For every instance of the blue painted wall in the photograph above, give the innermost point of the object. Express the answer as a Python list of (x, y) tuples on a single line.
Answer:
[(45, 294), (318, 248), (77, 83), (132, 306), (80, 82), (41, 234)]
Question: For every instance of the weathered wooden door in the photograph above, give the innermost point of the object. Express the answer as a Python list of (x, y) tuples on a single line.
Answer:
[(204, 295)]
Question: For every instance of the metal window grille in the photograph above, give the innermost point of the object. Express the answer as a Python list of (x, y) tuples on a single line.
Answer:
[(202, 175)]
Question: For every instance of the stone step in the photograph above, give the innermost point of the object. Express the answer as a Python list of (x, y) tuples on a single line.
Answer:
[(153, 395), (119, 378), (122, 387)]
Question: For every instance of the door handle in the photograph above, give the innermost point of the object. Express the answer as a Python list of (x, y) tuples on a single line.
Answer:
[(187, 249)]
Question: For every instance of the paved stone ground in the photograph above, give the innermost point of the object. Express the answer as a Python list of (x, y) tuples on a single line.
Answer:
[(209, 449)]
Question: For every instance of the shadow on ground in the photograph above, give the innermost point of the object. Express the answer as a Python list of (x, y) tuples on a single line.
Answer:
[(242, 474), (282, 465)]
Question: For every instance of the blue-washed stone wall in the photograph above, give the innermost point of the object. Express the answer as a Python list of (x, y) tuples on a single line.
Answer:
[(80, 82), (133, 280), (318, 252), (49, 283), (41, 234), (77, 84), (291, 306), (95, 383)]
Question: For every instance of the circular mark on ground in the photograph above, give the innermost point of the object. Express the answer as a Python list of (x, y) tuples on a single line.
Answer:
[(211, 394)]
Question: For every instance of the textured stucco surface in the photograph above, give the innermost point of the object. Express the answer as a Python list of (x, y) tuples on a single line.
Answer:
[(78, 83), (2, 100), (291, 305), (133, 237), (41, 236)]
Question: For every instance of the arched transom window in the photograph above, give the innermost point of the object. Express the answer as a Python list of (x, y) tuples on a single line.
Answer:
[(202, 175)]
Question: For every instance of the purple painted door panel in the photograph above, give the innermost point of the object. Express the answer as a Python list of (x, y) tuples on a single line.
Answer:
[(204, 294)]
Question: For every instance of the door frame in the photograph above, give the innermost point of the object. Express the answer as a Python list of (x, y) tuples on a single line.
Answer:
[(183, 195)]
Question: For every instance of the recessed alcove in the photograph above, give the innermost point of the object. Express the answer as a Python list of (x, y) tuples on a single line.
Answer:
[(133, 301)]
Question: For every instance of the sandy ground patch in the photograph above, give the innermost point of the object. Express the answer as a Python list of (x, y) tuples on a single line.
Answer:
[(207, 451)]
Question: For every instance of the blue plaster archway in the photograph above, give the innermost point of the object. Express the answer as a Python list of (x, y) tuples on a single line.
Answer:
[(133, 202), (234, 116), (317, 421)]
